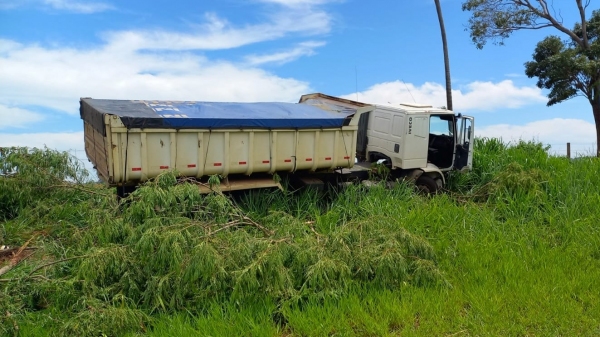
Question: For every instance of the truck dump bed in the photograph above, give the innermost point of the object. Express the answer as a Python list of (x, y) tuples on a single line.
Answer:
[(132, 141)]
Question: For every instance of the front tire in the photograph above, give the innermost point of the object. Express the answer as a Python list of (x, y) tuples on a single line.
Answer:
[(426, 185)]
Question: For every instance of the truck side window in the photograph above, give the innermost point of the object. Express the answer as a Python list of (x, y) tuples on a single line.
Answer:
[(438, 126)]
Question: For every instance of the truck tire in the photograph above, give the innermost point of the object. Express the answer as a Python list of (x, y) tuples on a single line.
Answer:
[(426, 185), (124, 191)]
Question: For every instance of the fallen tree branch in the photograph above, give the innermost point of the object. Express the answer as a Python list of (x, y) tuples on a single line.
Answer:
[(13, 251), (31, 276), (312, 228), (13, 263), (246, 221), (14, 322), (55, 262), (227, 225), (259, 226), (286, 239), (17, 257), (199, 183), (79, 188)]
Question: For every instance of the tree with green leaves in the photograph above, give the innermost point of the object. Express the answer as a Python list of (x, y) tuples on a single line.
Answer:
[(567, 67)]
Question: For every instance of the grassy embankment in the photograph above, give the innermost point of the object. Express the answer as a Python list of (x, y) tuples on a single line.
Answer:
[(512, 249)]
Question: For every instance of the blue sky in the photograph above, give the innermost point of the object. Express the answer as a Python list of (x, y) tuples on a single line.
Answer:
[(52, 52)]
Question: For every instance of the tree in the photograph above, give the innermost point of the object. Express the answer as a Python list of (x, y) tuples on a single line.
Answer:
[(446, 57), (568, 68)]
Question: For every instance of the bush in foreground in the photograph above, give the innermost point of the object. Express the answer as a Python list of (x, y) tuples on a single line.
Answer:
[(100, 267)]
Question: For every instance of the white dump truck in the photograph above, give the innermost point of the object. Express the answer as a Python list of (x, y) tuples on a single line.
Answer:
[(321, 138)]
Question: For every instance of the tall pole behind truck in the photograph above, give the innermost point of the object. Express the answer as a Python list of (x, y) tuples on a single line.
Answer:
[(130, 142), (438, 7)]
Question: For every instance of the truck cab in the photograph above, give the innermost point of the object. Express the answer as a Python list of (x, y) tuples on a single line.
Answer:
[(415, 141), (417, 137)]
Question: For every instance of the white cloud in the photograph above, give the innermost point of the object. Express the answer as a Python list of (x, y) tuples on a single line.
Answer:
[(11, 117), (289, 17), (218, 33), (494, 96), (154, 64), (556, 132), (476, 96), (56, 78), (84, 7), (302, 49), (63, 141)]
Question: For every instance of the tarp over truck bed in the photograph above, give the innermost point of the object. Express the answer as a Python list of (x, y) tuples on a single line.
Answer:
[(211, 115), (131, 141)]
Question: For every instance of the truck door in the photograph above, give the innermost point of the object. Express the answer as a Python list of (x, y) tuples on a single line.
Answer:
[(463, 159)]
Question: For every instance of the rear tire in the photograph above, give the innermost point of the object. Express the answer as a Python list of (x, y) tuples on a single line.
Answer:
[(426, 185), (124, 191)]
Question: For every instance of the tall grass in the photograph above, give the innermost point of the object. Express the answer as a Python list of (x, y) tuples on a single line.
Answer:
[(512, 248)]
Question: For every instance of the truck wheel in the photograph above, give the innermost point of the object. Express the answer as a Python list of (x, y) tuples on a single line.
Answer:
[(124, 191), (426, 185)]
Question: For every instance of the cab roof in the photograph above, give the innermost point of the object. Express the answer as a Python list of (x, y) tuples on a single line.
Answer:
[(331, 102)]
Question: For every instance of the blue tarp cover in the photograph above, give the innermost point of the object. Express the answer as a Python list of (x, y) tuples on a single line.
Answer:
[(213, 115)]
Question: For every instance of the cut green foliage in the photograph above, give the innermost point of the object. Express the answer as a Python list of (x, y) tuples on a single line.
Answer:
[(510, 249), (30, 175), (168, 248)]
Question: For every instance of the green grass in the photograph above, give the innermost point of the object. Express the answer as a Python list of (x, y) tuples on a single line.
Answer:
[(512, 249)]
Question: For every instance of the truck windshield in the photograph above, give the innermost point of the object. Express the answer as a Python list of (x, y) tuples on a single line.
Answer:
[(440, 126)]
